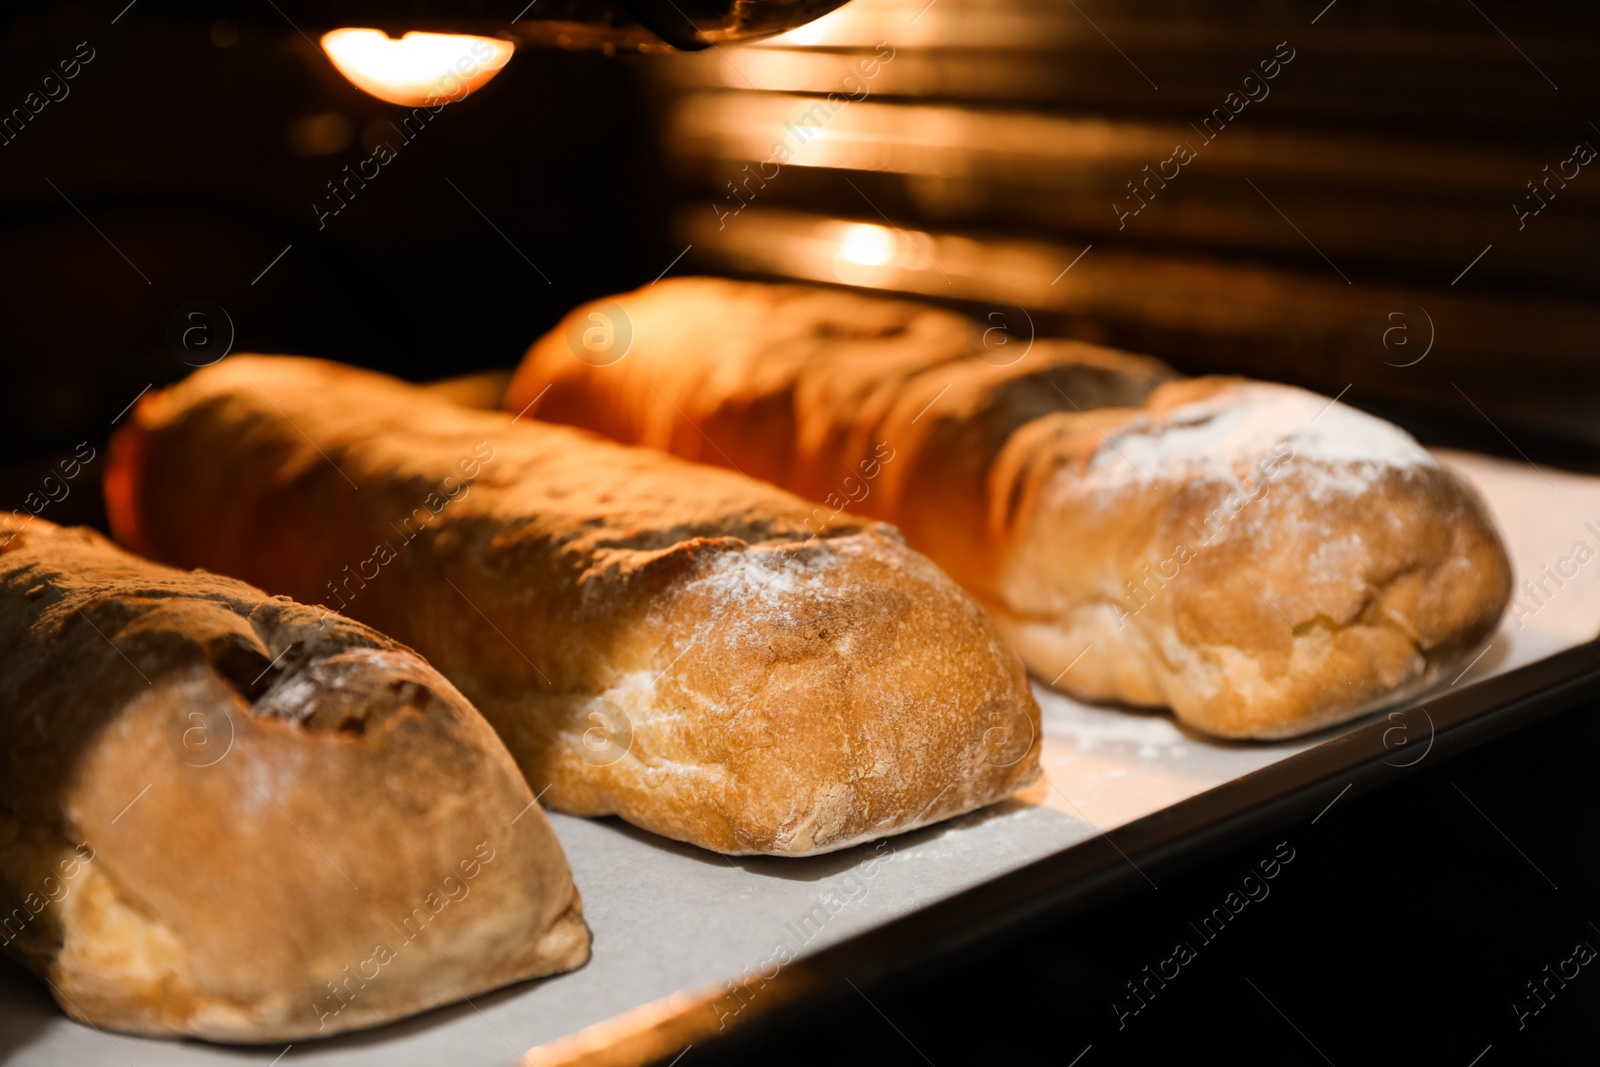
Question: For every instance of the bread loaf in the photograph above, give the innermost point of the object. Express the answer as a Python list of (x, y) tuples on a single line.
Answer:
[(1262, 560), (652, 638), (222, 816)]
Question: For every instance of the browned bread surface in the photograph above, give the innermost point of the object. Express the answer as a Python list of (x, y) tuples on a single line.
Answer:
[(651, 638), (1260, 559), (224, 817)]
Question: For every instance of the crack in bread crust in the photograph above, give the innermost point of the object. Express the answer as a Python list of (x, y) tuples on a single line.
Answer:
[(172, 888)]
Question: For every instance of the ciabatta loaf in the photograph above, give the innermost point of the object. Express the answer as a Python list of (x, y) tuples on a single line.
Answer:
[(1260, 559), (224, 816), (652, 638)]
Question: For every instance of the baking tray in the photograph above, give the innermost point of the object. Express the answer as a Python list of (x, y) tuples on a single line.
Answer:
[(688, 944)]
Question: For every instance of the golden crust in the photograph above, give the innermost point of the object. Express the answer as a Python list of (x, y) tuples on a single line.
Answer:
[(213, 805), (1015, 478), (651, 638), (789, 418), (1256, 601)]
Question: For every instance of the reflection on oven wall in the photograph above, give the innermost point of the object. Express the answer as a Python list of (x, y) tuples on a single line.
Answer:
[(1390, 197)]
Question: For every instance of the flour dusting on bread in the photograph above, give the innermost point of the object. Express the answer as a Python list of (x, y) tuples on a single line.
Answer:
[(1141, 537), (1222, 436), (652, 639)]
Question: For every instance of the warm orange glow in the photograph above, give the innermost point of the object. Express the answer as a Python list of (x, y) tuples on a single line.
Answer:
[(419, 68), (825, 30), (868, 246), (864, 253)]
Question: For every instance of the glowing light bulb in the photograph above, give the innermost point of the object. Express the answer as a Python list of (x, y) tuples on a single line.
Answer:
[(418, 68)]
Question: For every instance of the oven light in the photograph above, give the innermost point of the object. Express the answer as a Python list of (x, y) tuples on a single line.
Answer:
[(418, 68)]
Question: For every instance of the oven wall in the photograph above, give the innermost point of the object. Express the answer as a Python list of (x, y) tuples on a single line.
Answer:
[(1331, 194)]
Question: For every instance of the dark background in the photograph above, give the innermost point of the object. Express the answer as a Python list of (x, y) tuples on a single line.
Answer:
[(192, 147)]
